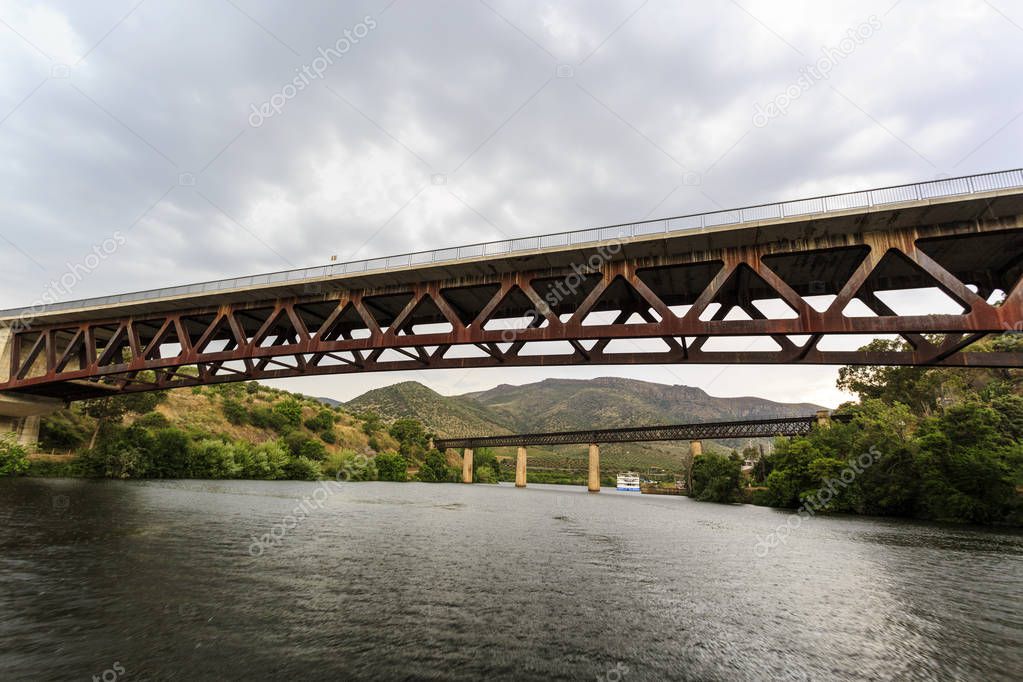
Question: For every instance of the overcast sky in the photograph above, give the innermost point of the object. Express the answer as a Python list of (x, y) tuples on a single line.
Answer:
[(435, 124)]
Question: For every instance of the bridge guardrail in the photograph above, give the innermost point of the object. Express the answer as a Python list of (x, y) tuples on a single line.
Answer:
[(882, 196)]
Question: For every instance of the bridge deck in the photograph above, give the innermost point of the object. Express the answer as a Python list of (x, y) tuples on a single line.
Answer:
[(935, 202), (761, 428)]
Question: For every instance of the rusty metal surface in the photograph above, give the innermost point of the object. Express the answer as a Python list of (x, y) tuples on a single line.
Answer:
[(682, 299)]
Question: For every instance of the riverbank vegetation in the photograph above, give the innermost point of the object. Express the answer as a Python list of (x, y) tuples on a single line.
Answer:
[(943, 444), (243, 430)]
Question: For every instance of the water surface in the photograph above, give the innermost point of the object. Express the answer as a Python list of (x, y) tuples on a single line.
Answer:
[(445, 581)]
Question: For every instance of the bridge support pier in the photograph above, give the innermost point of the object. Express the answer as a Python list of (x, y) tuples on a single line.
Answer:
[(20, 417), (520, 468), (696, 448), (593, 482), (467, 466), (824, 419)]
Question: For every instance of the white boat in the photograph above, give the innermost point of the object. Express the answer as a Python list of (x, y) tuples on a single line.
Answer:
[(628, 481)]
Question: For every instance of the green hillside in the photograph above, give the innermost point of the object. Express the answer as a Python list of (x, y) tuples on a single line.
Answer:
[(447, 416), (568, 404), (565, 405)]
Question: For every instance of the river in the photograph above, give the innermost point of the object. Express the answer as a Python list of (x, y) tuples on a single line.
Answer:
[(171, 580)]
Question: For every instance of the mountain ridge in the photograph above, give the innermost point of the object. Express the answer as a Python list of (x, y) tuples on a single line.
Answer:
[(566, 404)]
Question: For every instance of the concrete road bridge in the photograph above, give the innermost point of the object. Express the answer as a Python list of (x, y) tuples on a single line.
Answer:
[(793, 278), (694, 433)]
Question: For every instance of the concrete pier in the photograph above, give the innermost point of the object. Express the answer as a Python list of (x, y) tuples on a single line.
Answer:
[(5, 353), (824, 419), (520, 468), (21, 415), (467, 465), (593, 483), (696, 448)]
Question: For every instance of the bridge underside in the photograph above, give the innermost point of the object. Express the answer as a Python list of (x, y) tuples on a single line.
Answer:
[(769, 301)]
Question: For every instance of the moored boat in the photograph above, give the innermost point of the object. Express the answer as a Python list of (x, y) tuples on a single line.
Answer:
[(628, 481)]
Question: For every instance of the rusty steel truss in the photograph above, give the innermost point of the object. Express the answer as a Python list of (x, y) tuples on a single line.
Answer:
[(684, 301), (760, 428)]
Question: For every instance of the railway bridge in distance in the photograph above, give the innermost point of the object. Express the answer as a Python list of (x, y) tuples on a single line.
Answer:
[(780, 283), (694, 433)]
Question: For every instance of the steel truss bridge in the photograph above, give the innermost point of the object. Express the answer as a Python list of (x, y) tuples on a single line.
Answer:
[(762, 428), (687, 290)]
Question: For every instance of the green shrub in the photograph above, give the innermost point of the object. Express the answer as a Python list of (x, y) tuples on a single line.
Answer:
[(715, 478), (152, 420), (235, 412), (346, 465), (290, 412), (435, 468), (53, 469), (214, 459), (391, 466), (13, 457), (302, 469), (329, 436), (266, 418), (323, 420), (266, 461)]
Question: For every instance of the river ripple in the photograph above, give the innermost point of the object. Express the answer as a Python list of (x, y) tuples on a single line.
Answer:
[(445, 581)]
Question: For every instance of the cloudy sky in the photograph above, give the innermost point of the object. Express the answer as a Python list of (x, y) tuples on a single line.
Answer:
[(181, 126)]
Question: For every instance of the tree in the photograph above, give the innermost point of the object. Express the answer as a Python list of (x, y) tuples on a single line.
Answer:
[(169, 454), (13, 457), (114, 408), (213, 458), (963, 475), (411, 436), (235, 412), (303, 469), (916, 387), (715, 478), (370, 422), (485, 467), (435, 468), (323, 420), (290, 412), (301, 445), (391, 466)]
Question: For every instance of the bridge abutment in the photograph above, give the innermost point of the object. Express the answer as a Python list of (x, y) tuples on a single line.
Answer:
[(520, 468), (593, 483), (467, 465), (20, 417), (5, 353)]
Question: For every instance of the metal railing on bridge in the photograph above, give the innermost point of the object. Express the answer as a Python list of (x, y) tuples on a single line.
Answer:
[(817, 206), (760, 428)]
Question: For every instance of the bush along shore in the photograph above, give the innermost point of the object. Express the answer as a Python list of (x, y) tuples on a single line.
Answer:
[(926, 443)]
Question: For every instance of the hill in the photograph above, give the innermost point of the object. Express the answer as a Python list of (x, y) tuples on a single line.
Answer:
[(447, 416), (565, 404), (608, 402)]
